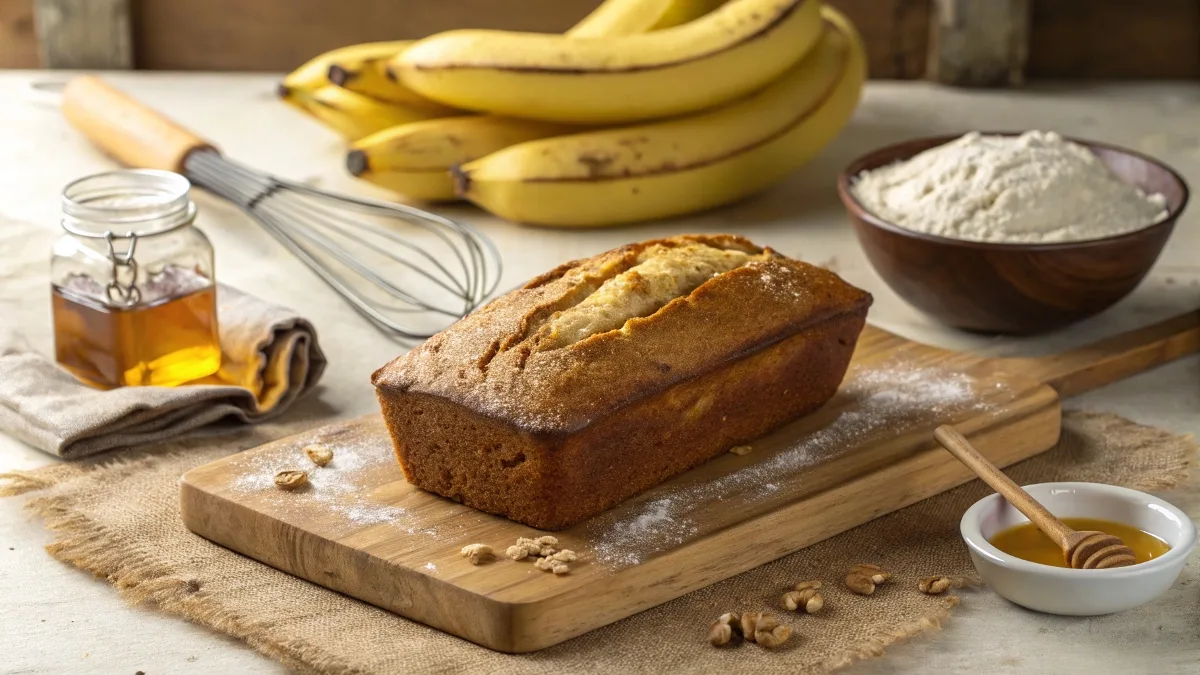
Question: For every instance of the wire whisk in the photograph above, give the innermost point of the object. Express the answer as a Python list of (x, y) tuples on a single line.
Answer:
[(408, 271), (335, 235)]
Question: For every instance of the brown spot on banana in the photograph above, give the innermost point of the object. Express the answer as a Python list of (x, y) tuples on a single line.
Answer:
[(462, 180), (357, 162), (596, 163), (339, 75)]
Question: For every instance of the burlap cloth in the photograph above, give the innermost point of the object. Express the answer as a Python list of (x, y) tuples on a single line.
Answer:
[(119, 519)]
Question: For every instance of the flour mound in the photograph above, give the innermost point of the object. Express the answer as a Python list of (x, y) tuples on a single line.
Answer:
[(1036, 187)]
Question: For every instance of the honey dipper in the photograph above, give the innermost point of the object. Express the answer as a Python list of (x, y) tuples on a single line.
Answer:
[(1087, 550)]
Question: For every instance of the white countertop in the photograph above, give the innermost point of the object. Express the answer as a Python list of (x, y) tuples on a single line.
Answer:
[(57, 619)]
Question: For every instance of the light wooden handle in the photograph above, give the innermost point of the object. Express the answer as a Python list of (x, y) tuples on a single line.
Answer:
[(1115, 358), (136, 135), (961, 448)]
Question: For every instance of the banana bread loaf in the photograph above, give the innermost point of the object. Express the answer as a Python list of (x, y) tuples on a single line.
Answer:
[(606, 376)]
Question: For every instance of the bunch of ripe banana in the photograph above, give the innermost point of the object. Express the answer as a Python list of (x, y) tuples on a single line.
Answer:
[(646, 109)]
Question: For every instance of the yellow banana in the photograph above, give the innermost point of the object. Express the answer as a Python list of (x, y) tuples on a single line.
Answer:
[(630, 17), (370, 77), (415, 159), (736, 49), (350, 113), (314, 73), (363, 68), (353, 115), (682, 165)]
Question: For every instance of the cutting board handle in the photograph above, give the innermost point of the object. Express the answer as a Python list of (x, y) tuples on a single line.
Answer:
[(1095, 365), (133, 133)]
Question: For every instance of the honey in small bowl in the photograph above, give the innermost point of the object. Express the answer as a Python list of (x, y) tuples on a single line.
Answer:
[(1027, 542)]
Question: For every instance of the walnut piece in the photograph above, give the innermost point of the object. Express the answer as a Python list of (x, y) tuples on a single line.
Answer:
[(552, 565), (477, 553), (566, 555), (542, 546), (748, 621), (319, 454), (291, 480), (860, 583), (727, 628), (936, 585), (864, 577), (777, 636), (768, 632), (875, 572), (740, 450), (805, 596)]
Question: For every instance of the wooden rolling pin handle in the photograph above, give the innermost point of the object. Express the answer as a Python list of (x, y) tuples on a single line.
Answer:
[(1045, 521), (138, 136)]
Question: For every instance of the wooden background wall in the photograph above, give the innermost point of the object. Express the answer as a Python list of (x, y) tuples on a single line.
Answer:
[(1066, 38)]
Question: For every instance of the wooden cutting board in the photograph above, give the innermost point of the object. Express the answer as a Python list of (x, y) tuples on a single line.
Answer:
[(360, 529)]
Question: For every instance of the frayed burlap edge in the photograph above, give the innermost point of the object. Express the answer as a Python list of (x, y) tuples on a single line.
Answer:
[(876, 648), (140, 581)]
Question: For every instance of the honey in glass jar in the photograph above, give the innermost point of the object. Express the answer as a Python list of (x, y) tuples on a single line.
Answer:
[(132, 286)]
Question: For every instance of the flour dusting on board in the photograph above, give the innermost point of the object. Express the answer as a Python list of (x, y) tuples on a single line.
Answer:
[(890, 401), (335, 489)]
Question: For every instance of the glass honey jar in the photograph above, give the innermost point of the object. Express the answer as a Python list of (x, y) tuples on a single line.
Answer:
[(132, 285)]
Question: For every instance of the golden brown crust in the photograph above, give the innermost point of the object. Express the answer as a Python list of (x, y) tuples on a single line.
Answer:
[(489, 362), (485, 415)]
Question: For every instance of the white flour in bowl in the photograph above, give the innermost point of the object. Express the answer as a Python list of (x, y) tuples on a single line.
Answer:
[(1036, 187)]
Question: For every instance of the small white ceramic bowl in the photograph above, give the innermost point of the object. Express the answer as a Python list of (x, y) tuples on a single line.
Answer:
[(1071, 592)]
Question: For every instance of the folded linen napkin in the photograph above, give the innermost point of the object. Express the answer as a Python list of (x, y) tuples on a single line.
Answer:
[(270, 357)]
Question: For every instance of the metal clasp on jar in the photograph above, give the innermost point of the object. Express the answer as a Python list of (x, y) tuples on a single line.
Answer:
[(123, 293)]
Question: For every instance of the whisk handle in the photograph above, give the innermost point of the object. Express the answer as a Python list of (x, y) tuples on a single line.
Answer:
[(133, 133)]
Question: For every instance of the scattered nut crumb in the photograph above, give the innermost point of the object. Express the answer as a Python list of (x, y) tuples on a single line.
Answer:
[(805, 596), (552, 565), (727, 627), (938, 584), (740, 450), (477, 553), (542, 546), (319, 454), (545, 556), (290, 480)]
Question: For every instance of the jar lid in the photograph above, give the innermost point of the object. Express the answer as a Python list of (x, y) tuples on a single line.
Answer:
[(127, 203)]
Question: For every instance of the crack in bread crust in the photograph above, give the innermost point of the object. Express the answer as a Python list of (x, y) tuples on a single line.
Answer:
[(650, 275), (663, 273)]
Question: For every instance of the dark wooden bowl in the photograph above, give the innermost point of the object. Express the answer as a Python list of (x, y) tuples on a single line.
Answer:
[(1014, 288)]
